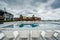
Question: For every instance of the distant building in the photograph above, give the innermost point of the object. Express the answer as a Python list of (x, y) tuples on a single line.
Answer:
[(16, 19), (31, 19), (5, 15), (1, 16), (24, 18), (8, 16), (37, 19)]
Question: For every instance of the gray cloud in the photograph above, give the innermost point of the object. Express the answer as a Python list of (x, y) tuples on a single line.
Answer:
[(56, 4), (46, 9)]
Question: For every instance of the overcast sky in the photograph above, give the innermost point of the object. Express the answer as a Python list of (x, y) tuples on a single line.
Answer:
[(46, 9)]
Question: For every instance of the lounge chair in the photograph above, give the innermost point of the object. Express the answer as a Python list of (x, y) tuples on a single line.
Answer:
[(49, 35), (24, 35), (57, 34), (43, 35), (35, 35), (2, 36), (8, 35), (15, 33)]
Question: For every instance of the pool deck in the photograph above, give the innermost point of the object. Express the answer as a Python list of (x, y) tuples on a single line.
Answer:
[(30, 34)]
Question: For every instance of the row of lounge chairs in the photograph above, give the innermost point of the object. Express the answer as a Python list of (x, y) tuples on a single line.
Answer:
[(30, 35)]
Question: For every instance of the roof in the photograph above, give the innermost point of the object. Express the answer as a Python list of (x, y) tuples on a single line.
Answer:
[(2, 11)]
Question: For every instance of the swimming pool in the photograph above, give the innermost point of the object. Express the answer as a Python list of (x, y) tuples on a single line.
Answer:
[(40, 26), (54, 25), (31, 25)]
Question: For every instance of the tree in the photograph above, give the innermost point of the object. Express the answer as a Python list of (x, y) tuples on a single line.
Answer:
[(33, 17), (21, 17)]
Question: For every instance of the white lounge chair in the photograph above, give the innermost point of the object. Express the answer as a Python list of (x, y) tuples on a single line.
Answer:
[(15, 33), (2, 36), (8, 35), (57, 34), (35, 34), (24, 35), (49, 34), (43, 34)]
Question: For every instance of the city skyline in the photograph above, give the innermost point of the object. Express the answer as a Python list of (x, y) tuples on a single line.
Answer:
[(46, 9)]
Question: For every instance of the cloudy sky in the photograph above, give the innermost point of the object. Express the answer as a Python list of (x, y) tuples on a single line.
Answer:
[(46, 9)]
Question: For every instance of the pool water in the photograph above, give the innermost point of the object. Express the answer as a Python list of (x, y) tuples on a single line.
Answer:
[(31, 25), (48, 25), (39, 26)]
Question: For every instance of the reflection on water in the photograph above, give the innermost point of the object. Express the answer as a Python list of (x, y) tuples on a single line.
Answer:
[(40, 26), (31, 25)]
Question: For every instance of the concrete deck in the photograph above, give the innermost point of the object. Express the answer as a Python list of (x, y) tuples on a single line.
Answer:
[(28, 34), (31, 35)]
